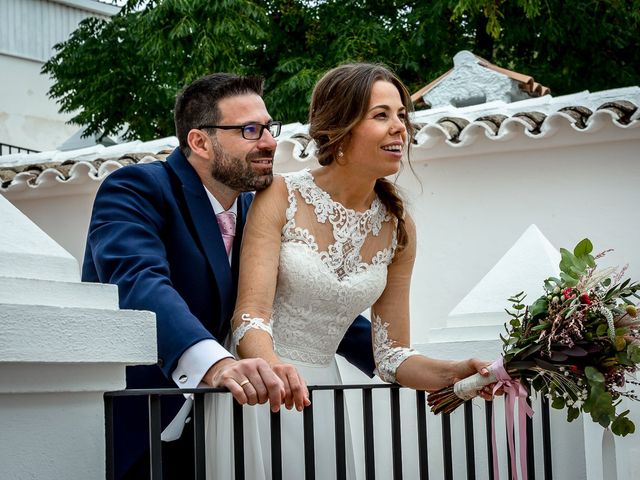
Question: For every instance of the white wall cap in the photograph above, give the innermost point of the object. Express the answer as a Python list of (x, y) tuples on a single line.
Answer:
[(80, 140), (27, 252), (92, 6), (89, 153), (61, 377), (471, 331), (292, 129), (523, 267), (28, 291), (70, 335), (546, 104), (461, 349)]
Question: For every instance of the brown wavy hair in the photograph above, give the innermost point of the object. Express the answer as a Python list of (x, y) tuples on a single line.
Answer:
[(339, 101)]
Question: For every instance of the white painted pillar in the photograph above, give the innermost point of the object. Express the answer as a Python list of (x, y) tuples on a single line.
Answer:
[(62, 345)]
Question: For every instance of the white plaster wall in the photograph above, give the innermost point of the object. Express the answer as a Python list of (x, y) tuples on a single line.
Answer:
[(627, 449), (65, 217), (28, 118), (474, 207), (32, 253), (62, 443)]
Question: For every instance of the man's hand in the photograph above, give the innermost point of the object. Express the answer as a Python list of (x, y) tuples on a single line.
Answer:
[(295, 387), (250, 381)]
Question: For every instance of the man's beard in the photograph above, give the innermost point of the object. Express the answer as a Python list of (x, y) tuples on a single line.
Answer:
[(237, 173)]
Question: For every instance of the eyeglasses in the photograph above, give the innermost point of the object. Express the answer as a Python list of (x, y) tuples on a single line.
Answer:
[(250, 131)]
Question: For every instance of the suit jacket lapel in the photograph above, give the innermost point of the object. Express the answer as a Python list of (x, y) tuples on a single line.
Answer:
[(207, 229)]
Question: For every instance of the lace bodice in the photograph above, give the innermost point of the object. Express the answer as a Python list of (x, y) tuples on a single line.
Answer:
[(349, 229), (325, 281), (309, 266)]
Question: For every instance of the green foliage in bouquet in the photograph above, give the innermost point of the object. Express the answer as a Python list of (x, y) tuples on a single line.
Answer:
[(577, 343)]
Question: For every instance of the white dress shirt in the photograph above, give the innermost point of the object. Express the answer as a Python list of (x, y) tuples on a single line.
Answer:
[(196, 360)]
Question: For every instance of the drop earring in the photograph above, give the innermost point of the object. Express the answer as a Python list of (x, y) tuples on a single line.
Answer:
[(340, 152)]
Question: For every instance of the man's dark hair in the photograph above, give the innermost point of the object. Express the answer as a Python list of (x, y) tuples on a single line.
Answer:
[(197, 103)]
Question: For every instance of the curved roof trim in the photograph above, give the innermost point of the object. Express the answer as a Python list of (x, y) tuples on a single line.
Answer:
[(463, 128), (448, 128), (21, 172)]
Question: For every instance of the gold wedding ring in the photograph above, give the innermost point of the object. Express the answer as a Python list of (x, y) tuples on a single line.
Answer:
[(244, 382)]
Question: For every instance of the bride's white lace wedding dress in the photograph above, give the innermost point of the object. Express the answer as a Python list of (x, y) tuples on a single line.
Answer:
[(332, 265)]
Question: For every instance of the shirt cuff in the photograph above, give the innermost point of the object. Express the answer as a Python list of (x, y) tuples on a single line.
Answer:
[(196, 361)]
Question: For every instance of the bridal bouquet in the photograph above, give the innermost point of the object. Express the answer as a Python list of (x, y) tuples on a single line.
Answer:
[(575, 344)]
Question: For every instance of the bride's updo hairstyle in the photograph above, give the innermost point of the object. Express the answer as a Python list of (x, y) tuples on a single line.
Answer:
[(339, 101)]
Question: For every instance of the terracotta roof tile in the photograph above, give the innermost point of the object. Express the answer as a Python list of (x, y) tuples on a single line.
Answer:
[(417, 97), (579, 114), (492, 121), (534, 119), (456, 127), (453, 126), (623, 108), (31, 174)]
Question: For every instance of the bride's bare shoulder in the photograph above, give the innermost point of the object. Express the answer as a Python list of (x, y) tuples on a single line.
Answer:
[(277, 190)]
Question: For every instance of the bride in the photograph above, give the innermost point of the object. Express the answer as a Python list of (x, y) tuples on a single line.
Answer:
[(320, 247)]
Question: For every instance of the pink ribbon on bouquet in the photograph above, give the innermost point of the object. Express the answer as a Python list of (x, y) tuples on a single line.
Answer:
[(513, 391)]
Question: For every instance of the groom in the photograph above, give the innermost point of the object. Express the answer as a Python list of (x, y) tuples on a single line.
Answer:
[(169, 234)]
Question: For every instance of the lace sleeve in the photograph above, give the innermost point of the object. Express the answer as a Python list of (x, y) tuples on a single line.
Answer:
[(251, 325), (390, 316), (387, 355), (246, 324)]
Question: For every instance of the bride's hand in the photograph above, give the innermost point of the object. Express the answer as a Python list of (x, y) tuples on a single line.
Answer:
[(296, 393), (471, 366)]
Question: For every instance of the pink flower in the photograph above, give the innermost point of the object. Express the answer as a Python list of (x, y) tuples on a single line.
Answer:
[(567, 293)]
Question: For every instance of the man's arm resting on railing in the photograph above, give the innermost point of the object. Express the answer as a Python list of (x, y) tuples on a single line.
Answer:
[(196, 361), (250, 381), (207, 363)]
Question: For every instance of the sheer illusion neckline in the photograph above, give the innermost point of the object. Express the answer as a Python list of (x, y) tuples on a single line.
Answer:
[(349, 228), (326, 196)]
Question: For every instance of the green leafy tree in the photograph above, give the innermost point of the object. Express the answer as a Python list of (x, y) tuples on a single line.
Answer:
[(308, 38), (126, 72), (574, 45)]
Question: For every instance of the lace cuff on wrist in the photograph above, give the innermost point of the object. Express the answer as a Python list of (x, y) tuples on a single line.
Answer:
[(387, 357), (247, 324)]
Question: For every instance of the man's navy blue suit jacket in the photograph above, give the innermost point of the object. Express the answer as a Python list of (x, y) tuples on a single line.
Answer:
[(153, 233)]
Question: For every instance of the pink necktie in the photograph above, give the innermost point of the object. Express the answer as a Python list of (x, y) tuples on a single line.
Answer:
[(227, 224)]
